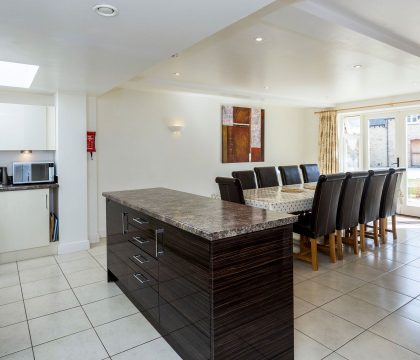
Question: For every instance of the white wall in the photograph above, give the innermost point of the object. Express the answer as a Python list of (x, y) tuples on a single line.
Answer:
[(72, 171), (137, 150)]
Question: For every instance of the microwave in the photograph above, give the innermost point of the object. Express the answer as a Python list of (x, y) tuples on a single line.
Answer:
[(33, 172)]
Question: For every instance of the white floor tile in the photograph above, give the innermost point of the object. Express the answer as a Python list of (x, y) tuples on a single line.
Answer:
[(8, 268), (308, 349), (98, 250), (83, 345), (356, 311), (97, 291), (315, 293), (126, 333), (154, 350), (411, 310), (103, 311), (363, 272), (36, 263), (39, 273), (57, 325), (50, 303), (72, 256), (399, 284), (12, 313), (9, 279), (380, 264), (21, 355), (326, 328), (410, 272), (334, 356), (379, 296), (86, 277), (400, 330), (45, 286), (10, 294), (301, 307), (14, 338), (368, 346), (339, 281), (69, 267)]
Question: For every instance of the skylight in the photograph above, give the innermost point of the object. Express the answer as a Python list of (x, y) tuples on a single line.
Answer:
[(17, 75)]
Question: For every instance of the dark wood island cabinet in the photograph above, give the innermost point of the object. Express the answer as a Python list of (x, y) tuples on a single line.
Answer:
[(214, 278)]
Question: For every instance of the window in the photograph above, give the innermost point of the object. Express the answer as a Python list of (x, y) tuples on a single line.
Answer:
[(351, 143)]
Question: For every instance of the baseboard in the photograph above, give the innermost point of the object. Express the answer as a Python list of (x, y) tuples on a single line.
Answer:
[(66, 248)]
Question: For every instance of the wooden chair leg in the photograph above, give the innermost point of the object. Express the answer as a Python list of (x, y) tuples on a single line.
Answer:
[(355, 240), (394, 226), (339, 245), (382, 223), (331, 239), (375, 232), (314, 254), (362, 237)]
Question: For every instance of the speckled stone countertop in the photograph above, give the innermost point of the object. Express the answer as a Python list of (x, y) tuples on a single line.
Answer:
[(28, 187), (211, 219)]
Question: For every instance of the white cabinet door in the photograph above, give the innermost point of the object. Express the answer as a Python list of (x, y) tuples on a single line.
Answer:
[(24, 127), (24, 219)]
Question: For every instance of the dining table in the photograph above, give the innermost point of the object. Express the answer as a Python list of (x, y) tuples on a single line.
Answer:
[(285, 198)]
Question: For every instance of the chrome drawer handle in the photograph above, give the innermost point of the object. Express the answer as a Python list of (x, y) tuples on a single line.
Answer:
[(141, 278), (140, 240), (140, 221), (140, 258)]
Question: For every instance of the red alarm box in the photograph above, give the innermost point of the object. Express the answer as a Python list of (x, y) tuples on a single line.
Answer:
[(91, 142)]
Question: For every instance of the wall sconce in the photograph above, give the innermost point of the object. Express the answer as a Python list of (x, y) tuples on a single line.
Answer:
[(176, 129), (26, 151)]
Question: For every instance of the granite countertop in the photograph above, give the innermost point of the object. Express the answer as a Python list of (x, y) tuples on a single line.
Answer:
[(212, 219), (28, 187)]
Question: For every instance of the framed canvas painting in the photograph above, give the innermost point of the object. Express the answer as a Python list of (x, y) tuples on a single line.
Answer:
[(242, 134)]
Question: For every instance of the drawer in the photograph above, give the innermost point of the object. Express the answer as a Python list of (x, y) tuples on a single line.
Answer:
[(138, 220), (138, 259), (148, 240)]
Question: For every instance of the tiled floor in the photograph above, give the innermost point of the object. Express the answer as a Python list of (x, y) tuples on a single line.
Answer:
[(364, 307)]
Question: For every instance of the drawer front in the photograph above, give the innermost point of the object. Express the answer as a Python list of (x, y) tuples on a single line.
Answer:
[(145, 240), (138, 219), (140, 260)]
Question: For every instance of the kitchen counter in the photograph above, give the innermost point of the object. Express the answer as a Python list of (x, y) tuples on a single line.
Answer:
[(213, 277), (28, 187), (209, 218)]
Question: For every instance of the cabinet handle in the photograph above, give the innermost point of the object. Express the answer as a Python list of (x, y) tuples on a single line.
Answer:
[(141, 278), (140, 240), (123, 216), (140, 258), (159, 251), (140, 221), (46, 201)]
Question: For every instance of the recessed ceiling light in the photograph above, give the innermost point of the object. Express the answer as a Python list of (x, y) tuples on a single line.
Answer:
[(259, 39), (106, 10), (17, 75), (175, 55), (357, 66), (177, 74), (266, 87)]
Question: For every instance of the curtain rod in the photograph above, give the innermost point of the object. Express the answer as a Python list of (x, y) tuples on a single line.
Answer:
[(391, 104)]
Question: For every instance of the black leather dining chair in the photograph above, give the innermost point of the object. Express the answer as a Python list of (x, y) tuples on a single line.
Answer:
[(321, 220), (247, 178), (266, 176), (389, 201), (290, 175), (310, 172), (348, 210), (230, 190), (370, 205)]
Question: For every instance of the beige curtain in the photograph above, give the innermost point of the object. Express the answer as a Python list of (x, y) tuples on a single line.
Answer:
[(327, 143)]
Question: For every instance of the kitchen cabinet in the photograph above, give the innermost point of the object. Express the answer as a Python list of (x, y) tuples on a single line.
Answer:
[(27, 127), (214, 290), (24, 219)]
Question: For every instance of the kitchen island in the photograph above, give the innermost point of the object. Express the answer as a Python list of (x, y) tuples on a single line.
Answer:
[(215, 278)]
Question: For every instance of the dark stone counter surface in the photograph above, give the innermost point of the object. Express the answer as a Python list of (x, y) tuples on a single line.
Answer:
[(28, 187), (209, 218)]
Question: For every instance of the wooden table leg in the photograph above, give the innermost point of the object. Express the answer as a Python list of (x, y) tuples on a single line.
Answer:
[(362, 237), (375, 232), (355, 240), (333, 256), (314, 254), (339, 245), (394, 226)]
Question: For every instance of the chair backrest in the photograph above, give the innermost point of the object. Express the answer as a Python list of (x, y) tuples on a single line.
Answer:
[(290, 175), (350, 198), (391, 192), (371, 196), (266, 176), (310, 172), (247, 179), (324, 207), (231, 190)]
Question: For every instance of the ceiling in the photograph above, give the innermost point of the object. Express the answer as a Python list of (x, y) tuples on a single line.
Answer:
[(77, 50), (306, 57)]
